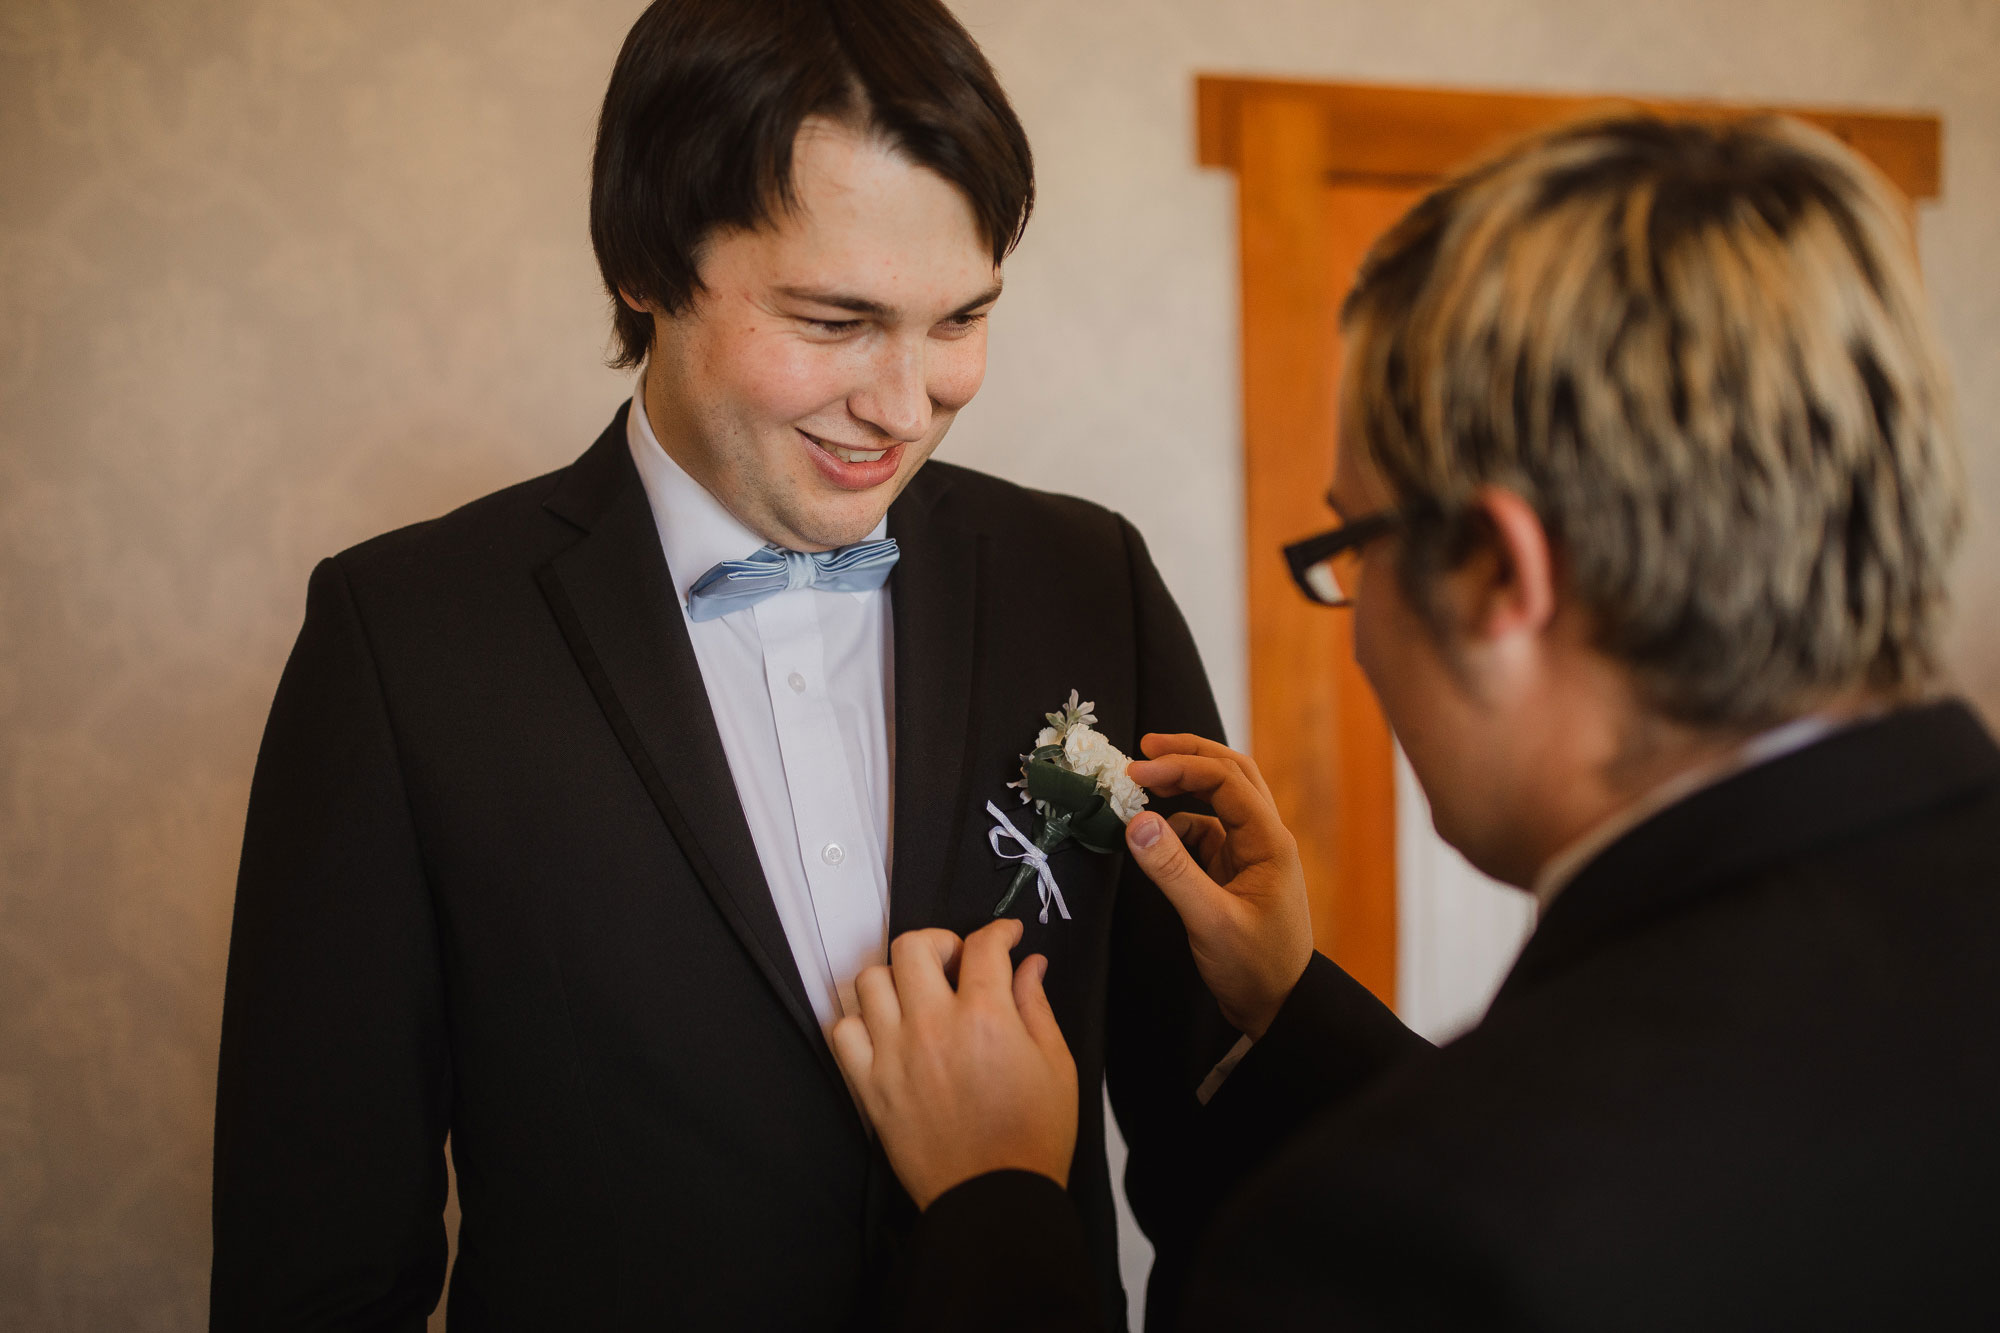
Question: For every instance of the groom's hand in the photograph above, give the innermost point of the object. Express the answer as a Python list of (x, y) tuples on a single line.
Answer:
[(1236, 880), (966, 1081)]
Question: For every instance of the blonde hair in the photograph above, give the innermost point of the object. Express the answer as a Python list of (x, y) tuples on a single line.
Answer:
[(1700, 351)]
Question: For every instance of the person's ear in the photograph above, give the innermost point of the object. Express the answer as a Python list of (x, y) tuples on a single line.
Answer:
[(1512, 584), (643, 307)]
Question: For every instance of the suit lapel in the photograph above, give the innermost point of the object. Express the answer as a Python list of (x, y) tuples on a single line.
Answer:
[(613, 599), (934, 596)]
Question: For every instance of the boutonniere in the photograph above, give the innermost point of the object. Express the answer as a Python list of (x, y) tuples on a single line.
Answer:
[(1081, 794)]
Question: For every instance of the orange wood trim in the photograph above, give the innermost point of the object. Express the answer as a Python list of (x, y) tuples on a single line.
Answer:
[(1373, 130), (1315, 728)]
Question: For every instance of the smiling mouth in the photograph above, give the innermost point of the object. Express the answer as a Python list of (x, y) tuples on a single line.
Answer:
[(854, 455), (847, 455)]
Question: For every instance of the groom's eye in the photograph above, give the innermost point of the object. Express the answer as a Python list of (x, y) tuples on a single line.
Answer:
[(955, 325)]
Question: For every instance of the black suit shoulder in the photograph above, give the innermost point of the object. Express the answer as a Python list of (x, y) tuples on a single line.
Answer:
[(1009, 511), (510, 528)]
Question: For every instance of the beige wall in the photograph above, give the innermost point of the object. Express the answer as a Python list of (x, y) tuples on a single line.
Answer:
[(278, 274)]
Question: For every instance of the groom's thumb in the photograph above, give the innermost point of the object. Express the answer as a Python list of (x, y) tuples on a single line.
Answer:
[(1167, 863)]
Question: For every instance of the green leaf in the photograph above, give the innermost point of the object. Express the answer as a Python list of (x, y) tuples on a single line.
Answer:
[(1101, 830), (1065, 791), (1048, 754)]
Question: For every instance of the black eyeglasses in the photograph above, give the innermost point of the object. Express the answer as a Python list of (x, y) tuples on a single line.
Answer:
[(1327, 568)]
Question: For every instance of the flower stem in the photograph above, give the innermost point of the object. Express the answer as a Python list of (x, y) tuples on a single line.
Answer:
[(1048, 837), (1021, 878)]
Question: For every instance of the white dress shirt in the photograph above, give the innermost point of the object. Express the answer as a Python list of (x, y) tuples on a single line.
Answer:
[(799, 686)]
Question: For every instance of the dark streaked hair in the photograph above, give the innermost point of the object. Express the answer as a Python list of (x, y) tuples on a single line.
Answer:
[(1701, 351), (707, 99)]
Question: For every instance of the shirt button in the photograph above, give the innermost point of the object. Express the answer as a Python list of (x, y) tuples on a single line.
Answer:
[(797, 682), (833, 853)]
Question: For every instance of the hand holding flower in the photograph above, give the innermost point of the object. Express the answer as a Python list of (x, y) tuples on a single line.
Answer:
[(1236, 879)]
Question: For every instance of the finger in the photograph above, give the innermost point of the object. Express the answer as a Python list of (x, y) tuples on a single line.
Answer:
[(1247, 814), (854, 1051), (1193, 894), (881, 1009), (1156, 745), (1033, 1002), (918, 959), (1159, 773), (987, 967), (1202, 835)]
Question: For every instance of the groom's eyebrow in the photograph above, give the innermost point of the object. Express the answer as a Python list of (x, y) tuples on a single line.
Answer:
[(987, 297), (862, 305), (859, 305)]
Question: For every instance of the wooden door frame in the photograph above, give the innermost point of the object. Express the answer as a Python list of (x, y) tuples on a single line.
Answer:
[(1314, 726)]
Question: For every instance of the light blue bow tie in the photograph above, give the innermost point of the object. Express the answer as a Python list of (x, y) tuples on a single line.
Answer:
[(735, 585)]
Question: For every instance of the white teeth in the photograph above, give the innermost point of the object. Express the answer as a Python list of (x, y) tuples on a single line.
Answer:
[(855, 455)]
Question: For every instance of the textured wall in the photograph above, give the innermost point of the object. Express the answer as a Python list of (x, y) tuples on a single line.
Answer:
[(278, 274)]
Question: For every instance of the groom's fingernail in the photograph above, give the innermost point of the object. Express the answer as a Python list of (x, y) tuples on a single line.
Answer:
[(1146, 830)]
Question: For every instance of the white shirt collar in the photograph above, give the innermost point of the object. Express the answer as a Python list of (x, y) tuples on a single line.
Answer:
[(696, 531), (1761, 749)]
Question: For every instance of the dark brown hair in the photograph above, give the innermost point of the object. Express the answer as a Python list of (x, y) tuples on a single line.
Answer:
[(708, 96)]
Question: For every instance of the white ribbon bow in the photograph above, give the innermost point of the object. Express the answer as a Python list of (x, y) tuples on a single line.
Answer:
[(1045, 879)]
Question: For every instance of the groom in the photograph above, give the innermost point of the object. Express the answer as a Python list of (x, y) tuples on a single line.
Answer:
[(581, 808)]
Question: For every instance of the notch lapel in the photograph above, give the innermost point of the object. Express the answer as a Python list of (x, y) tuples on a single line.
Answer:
[(613, 600), (934, 594)]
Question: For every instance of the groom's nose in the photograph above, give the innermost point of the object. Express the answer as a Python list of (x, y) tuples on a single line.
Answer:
[(896, 398)]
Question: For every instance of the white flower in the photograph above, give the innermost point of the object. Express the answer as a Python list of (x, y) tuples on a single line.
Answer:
[(1087, 752), (1127, 797)]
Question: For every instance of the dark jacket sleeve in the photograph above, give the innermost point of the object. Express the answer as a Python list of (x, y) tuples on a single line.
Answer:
[(1001, 1253), (333, 1097), (1331, 1040)]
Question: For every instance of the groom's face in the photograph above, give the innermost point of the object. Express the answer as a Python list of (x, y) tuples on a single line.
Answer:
[(829, 350)]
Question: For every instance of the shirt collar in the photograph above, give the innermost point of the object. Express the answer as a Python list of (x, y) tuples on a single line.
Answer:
[(696, 532), (1760, 749)]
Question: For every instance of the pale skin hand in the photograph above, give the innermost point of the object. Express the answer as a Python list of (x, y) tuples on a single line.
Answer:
[(960, 1082), (1236, 880)]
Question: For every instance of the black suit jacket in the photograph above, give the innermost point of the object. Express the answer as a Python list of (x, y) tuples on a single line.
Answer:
[(1745, 1075), (496, 883)]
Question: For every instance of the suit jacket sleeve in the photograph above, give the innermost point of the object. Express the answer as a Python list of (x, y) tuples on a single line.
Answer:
[(334, 1090), (1000, 1253), (1331, 1040)]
